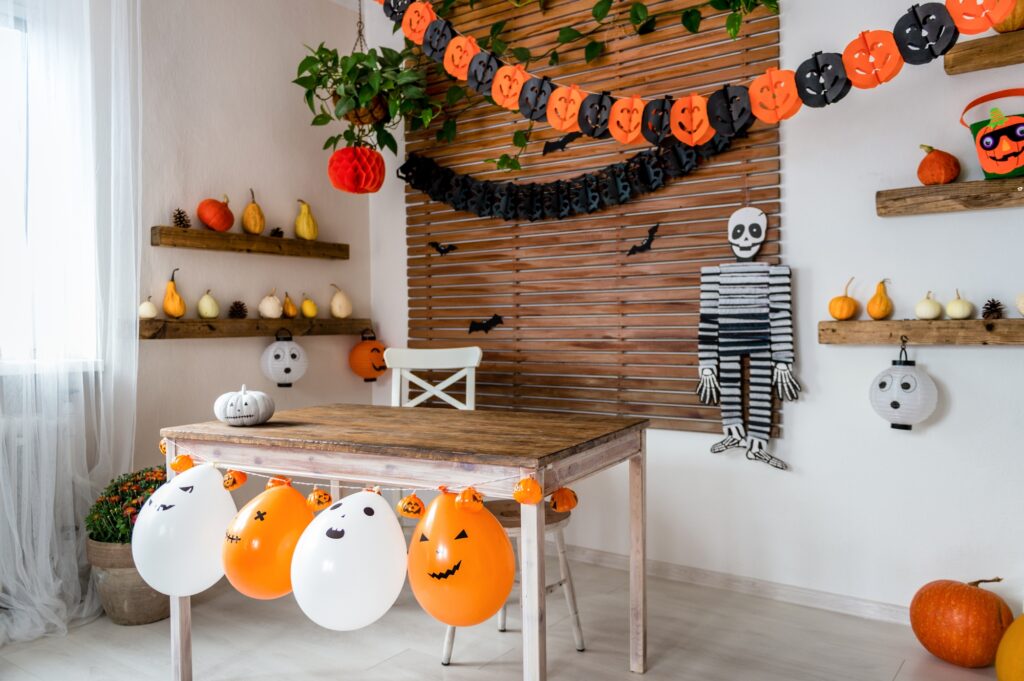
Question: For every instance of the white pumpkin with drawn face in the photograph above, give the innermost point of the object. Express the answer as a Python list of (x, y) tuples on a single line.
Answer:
[(244, 408), (176, 542), (349, 564), (284, 362)]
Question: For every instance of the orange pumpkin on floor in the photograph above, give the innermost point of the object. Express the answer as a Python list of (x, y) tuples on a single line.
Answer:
[(367, 357), (625, 119), (960, 623), (508, 83), (690, 122)]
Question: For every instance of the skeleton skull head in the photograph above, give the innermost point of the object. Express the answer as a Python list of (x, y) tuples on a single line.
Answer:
[(747, 228)]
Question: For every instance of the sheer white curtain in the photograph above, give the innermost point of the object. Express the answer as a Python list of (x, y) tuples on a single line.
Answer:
[(69, 273)]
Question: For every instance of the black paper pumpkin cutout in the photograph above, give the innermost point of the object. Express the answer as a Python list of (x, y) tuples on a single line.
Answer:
[(821, 80), (594, 112), (395, 9), (436, 39), (925, 33), (656, 124), (481, 72), (729, 111), (533, 98)]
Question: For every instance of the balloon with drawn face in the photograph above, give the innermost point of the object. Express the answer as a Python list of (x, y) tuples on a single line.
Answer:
[(177, 537), (461, 564), (349, 564), (259, 542)]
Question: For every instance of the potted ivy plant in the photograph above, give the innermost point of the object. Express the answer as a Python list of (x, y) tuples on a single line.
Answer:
[(125, 597)]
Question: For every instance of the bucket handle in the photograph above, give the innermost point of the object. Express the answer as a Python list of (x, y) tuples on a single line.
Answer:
[(1012, 92)]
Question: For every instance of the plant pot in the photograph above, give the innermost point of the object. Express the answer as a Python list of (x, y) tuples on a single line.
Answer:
[(125, 597), (375, 112)]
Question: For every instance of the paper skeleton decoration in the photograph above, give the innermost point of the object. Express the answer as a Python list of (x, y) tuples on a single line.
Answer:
[(746, 311)]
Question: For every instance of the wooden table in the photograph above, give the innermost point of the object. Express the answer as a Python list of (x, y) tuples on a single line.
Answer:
[(398, 447)]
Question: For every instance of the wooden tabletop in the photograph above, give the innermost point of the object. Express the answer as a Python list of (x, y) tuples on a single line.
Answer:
[(506, 438)]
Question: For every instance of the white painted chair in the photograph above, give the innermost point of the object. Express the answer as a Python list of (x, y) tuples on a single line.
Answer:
[(405, 361)]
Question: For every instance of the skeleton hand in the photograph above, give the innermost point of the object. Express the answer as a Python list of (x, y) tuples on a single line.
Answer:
[(708, 389), (785, 383)]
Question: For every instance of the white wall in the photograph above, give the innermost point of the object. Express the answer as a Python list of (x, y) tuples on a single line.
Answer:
[(866, 512), (220, 115)]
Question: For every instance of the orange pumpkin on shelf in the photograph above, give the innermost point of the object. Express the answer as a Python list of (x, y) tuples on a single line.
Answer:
[(528, 491), (367, 357), (872, 58), (626, 118), (215, 214), (937, 167), (960, 623), (690, 122), (843, 307), (564, 108), (774, 96), (978, 16), (416, 19), (508, 83), (459, 53)]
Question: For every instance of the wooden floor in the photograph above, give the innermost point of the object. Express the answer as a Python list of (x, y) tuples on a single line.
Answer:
[(696, 634)]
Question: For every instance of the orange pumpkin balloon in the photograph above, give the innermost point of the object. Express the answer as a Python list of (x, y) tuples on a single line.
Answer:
[(625, 118), (259, 543), (563, 500), (367, 358), (527, 491), (460, 51), (461, 564), (564, 108), (508, 83), (416, 19), (978, 16), (774, 96), (872, 58), (234, 479), (690, 122), (410, 506)]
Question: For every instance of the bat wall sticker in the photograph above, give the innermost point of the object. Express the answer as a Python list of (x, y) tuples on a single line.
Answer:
[(443, 249), (487, 324), (647, 243), (560, 144)]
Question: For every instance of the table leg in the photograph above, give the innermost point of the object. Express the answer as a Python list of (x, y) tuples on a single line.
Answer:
[(637, 564), (533, 589), (181, 616)]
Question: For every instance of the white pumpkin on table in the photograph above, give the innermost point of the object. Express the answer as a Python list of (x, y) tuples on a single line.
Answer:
[(244, 407)]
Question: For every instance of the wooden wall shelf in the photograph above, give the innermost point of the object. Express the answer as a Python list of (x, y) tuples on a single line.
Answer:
[(156, 329), (939, 332), (1005, 49), (951, 198), (209, 240)]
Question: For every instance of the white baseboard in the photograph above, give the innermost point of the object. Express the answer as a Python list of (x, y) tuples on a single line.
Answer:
[(847, 605)]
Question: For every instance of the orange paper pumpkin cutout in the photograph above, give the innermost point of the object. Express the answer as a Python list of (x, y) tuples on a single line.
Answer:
[(318, 499), (508, 82), (872, 58), (460, 51), (625, 119), (563, 500), (564, 108), (978, 16), (470, 500), (416, 19), (1000, 144), (410, 506), (690, 122), (182, 463), (774, 96), (259, 543), (234, 479), (461, 564), (278, 481), (527, 491)]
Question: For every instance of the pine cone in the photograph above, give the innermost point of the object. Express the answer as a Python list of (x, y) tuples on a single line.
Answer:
[(180, 219), (993, 309), (238, 310), (277, 232)]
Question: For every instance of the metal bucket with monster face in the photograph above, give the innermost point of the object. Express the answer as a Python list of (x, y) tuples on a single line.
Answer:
[(999, 139)]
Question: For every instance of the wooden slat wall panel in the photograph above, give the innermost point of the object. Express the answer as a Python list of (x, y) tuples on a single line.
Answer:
[(588, 329)]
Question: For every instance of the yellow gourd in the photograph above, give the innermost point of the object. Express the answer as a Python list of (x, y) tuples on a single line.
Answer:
[(253, 221), (288, 307), (843, 307), (305, 224), (880, 305), (308, 307), (174, 305)]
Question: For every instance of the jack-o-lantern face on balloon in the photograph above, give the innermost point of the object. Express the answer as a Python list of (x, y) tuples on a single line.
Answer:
[(626, 119), (459, 54), (508, 83), (925, 32), (978, 16), (822, 80), (564, 108), (872, 58), (773, 96), (417, 18), (1000, 144), (461, 564), (690, 122)]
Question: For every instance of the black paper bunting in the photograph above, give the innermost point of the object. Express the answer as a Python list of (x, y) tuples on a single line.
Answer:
[(729, 111), (822, 80), (481, 72), (925, 33), (436, 39), (656, 125), (593, 116), (395, 9), (533, 98)]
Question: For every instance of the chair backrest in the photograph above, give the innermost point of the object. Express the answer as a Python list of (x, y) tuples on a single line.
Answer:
[(404, 361)]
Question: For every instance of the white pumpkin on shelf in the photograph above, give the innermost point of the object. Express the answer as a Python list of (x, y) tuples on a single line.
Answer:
[(244, 407)]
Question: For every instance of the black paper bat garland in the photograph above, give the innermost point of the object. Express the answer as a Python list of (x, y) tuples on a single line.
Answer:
[(647, 243), (487, 324), (443, 249)]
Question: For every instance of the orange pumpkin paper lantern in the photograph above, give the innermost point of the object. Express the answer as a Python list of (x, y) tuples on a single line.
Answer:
[(410, 506), (318, 499), (416, 19), (356, 170), (774, 96), (508, 83), (182, 463), (564, 108), (460, 51), (234, 479), (470, 500), (978, 16), (625, 119), (872, 58), (528, 491), (461, 564), (563, 500), (690, 122), (367, 357), (259, 543)]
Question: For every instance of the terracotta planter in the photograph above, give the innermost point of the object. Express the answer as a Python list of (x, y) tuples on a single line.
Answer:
[(125, 597)]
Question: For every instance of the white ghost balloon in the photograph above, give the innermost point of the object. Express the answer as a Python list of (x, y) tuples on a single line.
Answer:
[(177, 538), (349, 565)]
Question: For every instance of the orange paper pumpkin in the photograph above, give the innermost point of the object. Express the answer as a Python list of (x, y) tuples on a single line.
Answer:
[(978, 16), (508, 83), (318, 499), (259, 543), (563, 500), (872, 58), (416, 19), (181, 463), (625, 119), (367, 357), (470, 500), (564, 108), (410, 506), (774, 96), (234, 479), (527, 491), (461, 564), (690, 122), (460, 51)]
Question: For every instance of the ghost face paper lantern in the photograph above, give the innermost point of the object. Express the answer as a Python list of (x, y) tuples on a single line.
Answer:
[(284, 361), (177, 538), (904, 395), (349, 564)]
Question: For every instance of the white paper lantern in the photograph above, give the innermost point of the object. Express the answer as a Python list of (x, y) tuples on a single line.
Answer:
[(284, 361), (904, 395)]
